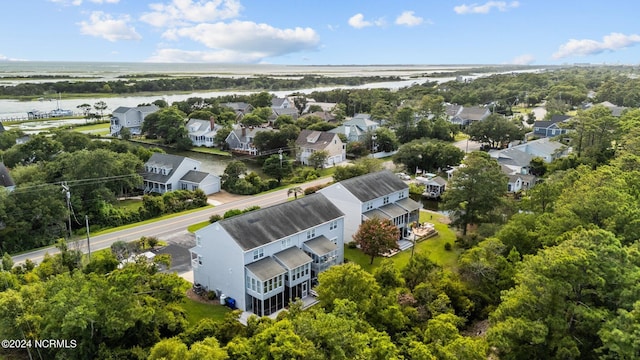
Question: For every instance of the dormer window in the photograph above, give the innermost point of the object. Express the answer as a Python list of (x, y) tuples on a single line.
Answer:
[(385, 200)]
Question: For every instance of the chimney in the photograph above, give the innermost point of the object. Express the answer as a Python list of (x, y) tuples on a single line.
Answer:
[(212, 121), (244, 131)]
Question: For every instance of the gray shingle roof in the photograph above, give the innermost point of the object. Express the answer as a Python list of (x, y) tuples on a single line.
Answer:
[(260, 227), (292, 257), (320, 245), (194, 176), (317, 140), (159, 160), (372, 186), (473, 113), (266, 269)]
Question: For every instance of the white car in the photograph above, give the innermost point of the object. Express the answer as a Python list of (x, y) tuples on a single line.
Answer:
[(404, 176)]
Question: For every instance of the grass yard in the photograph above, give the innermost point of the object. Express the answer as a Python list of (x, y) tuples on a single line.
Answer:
[(206, 150), (198, 226), (129, 204), (197, 311), (433, 247)]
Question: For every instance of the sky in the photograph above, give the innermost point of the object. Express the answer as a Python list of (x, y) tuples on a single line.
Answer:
[(326, 32)]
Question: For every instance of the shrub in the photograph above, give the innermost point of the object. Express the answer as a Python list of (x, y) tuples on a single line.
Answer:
[(211, 295), (447, 246), (232, 213), (215, 217), (352, 245)]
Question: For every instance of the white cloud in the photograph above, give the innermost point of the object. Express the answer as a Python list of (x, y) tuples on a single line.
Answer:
[(408, 18), (584, 47), (105, 26), (105, 1), (180, 12), (245, 38), (485, 8), (525, 59), (357, 21), (79, 2)]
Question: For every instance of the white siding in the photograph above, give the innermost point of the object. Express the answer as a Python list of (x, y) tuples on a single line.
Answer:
[(349, 205)]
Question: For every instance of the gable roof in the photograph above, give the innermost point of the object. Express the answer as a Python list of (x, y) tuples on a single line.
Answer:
[(260, 227), (194, 176), (162, 160), (452, 109), (473, 113), (553, 120), (5, 178), (512, 157), (249, 132), (374, 185), (318, 140), (277, 102)]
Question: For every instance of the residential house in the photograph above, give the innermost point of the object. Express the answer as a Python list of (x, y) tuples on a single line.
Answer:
[(292, 111), (2, 128), (166, 172), (381, 194), (281, 103), (324, 115), (131, 118), (434, 186), (357, 128), (545, 148), (310, 141), (240, 108), (202, 132), (469, 115), (325, 106), (615, 109), (552, 127), (516, 181), (241, 138), (266, 258), (6, 181), (452, 110)]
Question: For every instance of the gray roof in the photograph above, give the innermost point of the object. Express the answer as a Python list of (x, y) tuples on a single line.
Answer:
[(249, 132), (554, 120), (194, 176), (277, 102), (293, 257), (317, 140), (393, 210), (266, 269), (5, 178), (452, 109), (159, 160), (320, 245), (514, 157), (376, 213), (473, 113), (409, 204), (372, 186), (1, 128), (260, 227)]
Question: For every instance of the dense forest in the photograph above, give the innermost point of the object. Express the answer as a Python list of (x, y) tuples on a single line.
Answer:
[(550, 274)]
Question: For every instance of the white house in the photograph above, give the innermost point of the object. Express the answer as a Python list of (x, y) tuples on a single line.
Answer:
[(266, 258), (166, 172), (310, 141), (131, 118), (381, 194), (202, 132)]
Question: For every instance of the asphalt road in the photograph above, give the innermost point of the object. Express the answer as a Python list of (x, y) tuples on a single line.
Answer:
[(166, 229)]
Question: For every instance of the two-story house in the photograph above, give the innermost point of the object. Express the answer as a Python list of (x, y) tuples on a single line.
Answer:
[(468, 115), (240, 108), (381, 194), (266, 258), (310, 141), (357, 128), (131, 118), (202, 132), (166, 172), (241, 138)]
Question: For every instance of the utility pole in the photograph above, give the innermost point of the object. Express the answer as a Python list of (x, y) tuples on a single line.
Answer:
[(86, 221), (280, 156), (68, 198)]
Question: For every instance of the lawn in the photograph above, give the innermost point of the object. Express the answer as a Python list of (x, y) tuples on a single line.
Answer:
[(207, 150), (433, 247), (129, 204), (197, 226), (197, 311)]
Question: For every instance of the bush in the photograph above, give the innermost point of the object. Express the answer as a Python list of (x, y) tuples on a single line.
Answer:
[(215, 217), (447, 246), (232, 213), (352, 245), (211, 295)]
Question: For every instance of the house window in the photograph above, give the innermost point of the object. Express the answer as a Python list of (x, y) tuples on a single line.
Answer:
[(183, 186), (369, 205), (285, 243), (258, 253), (198, 240), (401, 195), (199, 259), (311, 234), (333, 225), (335, 240), (385, 200)]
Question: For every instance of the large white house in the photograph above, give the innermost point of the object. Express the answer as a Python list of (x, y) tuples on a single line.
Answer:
[(131, 118), (166, 172), (202, 132), (266, 258), (381, 194)]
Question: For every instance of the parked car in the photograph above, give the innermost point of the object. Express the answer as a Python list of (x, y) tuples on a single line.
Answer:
[(403, 176)]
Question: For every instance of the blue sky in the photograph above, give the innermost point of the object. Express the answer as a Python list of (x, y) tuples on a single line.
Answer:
[(324, 32)]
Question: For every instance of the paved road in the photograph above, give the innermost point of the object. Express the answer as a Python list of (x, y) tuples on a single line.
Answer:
[(166, 229), (467, 145)]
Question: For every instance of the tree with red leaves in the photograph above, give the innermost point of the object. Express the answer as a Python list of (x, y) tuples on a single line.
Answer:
[(376, 236)]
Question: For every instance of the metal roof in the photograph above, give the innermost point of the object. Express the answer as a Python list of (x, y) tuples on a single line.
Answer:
[(320, 245), (292, 257)]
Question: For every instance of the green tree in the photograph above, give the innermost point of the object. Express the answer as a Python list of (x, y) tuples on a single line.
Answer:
[(428, 155), (318, 159), (475, 191), (496, 131), (376, 236), (100, 106), (349, 282), (232, 173), (278, 166)]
